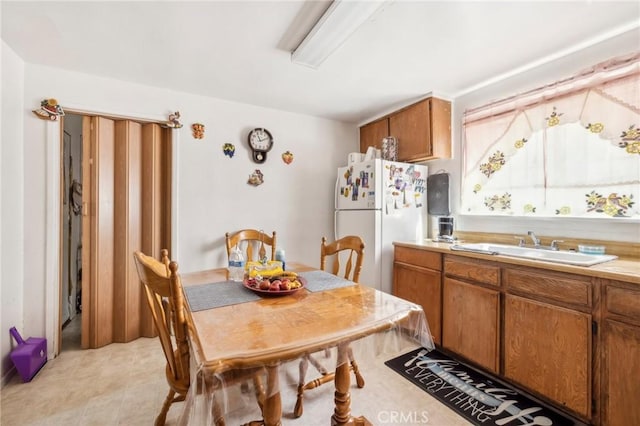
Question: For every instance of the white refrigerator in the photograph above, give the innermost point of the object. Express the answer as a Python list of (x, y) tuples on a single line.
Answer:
[(382, 202)]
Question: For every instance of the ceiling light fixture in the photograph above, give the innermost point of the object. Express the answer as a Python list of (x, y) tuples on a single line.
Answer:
[(342, 18)]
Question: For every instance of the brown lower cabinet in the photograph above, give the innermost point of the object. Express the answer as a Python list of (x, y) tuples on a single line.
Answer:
[(417, 278), (471, 310), (548, 349), (620, 362), (470, 322), (621, 374), (571, 340), (548, 335)]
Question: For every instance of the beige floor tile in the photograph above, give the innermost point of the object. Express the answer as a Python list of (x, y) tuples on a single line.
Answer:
[(124, 384), (68, 417)]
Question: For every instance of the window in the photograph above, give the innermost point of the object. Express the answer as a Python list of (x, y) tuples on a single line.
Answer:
[(569, 149)]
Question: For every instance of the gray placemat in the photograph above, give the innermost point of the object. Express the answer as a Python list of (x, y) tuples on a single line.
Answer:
[(214, 295), (321, 280)]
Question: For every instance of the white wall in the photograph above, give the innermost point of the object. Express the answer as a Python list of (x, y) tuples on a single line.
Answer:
[(536, 77), (295, 200), (11, 203), (212, 195)]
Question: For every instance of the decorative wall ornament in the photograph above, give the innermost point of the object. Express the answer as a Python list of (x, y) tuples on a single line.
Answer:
[(198, 130), (287, 157), (49, 110), (229, 149), (174, 121), (256, 178)]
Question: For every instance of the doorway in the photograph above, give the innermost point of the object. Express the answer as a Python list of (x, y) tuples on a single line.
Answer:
[(116, 199), (71, 233)]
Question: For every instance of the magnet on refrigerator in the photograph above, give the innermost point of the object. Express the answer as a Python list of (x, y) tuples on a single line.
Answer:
[(391, 205)]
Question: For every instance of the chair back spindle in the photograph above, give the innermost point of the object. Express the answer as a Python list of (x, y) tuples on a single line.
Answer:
[(253, 239), (350, 245)]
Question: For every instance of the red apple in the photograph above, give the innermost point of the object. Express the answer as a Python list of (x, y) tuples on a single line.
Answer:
[(274, 287), (285, 285), (265, 284)]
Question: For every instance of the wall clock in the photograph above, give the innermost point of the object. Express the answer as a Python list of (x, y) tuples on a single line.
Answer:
[(260, 142)]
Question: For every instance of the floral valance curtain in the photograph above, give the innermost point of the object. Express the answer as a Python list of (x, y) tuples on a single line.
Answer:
[(571, 148)]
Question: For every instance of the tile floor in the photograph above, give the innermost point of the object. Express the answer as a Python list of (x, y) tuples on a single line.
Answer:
[(124, 384)]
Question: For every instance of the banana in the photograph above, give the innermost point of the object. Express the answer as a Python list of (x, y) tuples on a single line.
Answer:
[(296, 284)]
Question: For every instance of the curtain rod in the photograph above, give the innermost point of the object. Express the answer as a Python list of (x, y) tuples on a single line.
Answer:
[(605, 66)]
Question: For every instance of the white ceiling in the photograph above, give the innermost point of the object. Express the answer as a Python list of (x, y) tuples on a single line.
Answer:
[(240, 50)]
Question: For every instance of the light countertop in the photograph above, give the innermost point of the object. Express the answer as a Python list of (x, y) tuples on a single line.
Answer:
[(625, 269)]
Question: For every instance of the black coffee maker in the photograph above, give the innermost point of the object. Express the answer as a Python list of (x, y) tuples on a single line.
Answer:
[(445, 229), (438, 206)]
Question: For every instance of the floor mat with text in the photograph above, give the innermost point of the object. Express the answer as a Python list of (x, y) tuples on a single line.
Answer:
[(479, 398)]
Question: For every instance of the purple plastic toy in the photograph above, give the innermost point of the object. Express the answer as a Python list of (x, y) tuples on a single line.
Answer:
[(29, 356)]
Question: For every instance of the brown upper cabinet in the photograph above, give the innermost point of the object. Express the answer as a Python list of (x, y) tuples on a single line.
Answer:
[(372, 134), (423, 131)]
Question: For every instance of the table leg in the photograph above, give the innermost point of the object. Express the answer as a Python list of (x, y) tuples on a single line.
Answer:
[(272, 412), (342, 397)]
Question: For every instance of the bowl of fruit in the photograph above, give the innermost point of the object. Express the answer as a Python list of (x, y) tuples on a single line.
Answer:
[(277, 285)]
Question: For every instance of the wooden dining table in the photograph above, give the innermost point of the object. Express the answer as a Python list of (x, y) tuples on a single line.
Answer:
[(270, 331)]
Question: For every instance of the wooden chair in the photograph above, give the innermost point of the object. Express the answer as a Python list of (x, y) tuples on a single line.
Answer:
[(254, 239), (350, 245), (165, 297)]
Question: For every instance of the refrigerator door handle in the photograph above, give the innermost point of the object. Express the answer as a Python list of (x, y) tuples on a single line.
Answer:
[(335, 193), (335, 225)]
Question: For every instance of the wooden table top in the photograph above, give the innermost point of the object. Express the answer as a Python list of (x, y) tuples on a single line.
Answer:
[(276, 329)]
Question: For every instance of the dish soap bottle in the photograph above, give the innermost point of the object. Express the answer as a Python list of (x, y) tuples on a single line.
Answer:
[(280, 257), (236, 265)]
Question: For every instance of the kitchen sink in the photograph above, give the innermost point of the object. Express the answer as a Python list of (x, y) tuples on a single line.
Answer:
[(560, 256)]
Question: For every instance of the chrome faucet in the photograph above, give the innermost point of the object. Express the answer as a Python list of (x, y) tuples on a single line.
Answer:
[(554, 245), (536, 243), (536, 240)]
